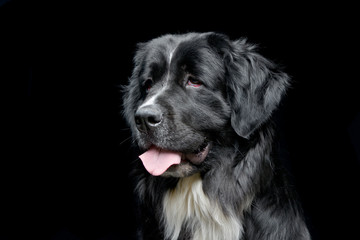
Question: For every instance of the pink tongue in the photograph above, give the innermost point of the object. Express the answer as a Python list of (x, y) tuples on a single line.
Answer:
[(157, 161)]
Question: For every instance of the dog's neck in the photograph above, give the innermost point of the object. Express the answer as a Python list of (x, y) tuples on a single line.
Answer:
[(247, 166), (203, 204)]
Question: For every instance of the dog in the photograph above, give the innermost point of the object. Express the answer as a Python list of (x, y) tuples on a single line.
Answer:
[(199, 107)]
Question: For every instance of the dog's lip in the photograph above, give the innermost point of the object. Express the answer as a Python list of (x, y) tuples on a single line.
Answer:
[(196, 157)]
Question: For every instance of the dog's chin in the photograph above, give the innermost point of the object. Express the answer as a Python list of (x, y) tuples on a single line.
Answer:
[(184, 169)]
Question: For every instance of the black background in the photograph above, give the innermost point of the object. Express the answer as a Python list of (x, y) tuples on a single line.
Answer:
[(66, 152)]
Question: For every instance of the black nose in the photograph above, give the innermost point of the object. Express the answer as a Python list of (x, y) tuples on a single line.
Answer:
[(148, 118)]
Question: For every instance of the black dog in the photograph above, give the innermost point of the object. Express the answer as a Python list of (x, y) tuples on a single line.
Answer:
[(199, 106)]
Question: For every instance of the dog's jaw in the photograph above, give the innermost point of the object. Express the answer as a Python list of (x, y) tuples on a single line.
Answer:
[(168, 163)]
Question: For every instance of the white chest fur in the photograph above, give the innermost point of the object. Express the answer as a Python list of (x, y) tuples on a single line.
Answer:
[(188, 206)]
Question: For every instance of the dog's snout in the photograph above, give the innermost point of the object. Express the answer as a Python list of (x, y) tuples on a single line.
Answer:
[(148, 117)]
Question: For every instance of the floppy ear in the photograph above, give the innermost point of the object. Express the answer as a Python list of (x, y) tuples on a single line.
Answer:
[(255, 87)]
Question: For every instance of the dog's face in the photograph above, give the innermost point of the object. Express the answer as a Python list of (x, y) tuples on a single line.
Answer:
[(190, 93)]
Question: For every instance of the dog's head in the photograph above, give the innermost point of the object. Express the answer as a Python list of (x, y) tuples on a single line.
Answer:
[(191, 92)]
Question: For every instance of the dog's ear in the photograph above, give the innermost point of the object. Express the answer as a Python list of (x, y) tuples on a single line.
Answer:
[(254, 84), (255, 87)]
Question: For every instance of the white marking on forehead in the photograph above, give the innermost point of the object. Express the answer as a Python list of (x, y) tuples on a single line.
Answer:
[(152, 99), (169, 64), (171, 55)]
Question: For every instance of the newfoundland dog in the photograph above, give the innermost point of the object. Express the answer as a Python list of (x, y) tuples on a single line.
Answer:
[(199, 107)]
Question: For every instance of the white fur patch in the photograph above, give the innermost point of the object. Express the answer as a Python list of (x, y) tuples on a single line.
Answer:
[(188, 206), (171, 55), (153, 98)]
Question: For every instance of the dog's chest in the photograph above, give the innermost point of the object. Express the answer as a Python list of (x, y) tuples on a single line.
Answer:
[(187, 208)]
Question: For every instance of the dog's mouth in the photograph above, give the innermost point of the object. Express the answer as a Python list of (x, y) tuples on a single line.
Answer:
[(157, 160)]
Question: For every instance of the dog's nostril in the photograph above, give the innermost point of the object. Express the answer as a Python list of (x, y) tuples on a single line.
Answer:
[(154, 119)]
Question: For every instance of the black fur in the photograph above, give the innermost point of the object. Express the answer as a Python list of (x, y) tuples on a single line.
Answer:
[(231, 111)]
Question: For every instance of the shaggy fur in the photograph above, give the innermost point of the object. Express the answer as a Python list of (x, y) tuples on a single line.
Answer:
[(206, 90)]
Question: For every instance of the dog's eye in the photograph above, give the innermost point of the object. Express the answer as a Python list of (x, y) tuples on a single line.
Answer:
[(193, 82), (148, 84)]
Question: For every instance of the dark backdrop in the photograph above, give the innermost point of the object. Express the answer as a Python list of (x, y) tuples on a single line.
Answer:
[(66, 149)]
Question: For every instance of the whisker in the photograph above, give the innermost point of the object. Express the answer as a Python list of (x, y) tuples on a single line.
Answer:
[(126, 139)]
